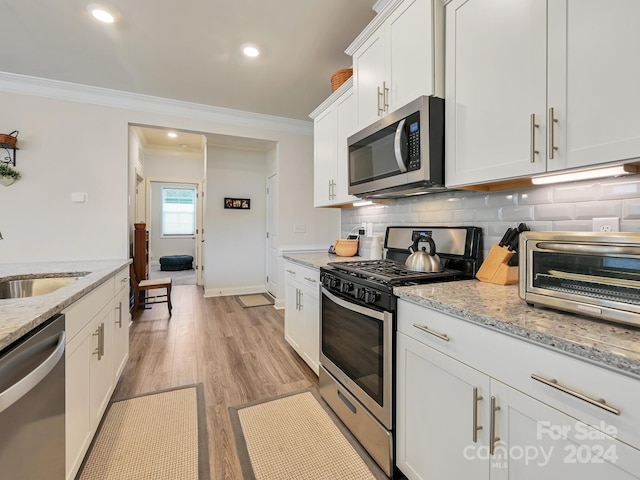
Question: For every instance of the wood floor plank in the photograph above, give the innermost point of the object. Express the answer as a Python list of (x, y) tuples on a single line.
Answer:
[(238, 354)]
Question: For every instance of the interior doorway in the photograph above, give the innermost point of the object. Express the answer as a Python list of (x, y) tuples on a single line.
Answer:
[(174, 228)]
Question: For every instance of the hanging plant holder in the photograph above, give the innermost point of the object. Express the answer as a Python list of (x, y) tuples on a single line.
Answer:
[(9, 142), (8, 175)]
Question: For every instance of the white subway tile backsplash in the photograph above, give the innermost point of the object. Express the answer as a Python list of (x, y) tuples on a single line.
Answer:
[(615, 190), (554, 211), (517, 214), (598, 209), (576, 192), (569, 207), (502, 199), (573, 226)]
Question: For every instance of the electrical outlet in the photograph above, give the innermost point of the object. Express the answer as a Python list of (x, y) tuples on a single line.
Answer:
[(606, 224), (299, 228)]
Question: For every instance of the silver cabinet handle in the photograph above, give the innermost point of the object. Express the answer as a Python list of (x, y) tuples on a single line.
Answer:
[(534, 152), (552, 138), (493, 439), (100, 348), (125, 280), (424, 328), (291, 272), (385, 97), (553, 383), (19, 389), (119, 321), (380, 94), (329, 189), (300, 299), (309, 279), (476, 427)]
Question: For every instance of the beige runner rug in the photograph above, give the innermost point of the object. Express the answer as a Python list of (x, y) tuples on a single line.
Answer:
[(157, 436), (297, 437), (255, 300)]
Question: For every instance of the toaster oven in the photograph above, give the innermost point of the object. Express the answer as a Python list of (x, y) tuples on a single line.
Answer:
[(590, 273)]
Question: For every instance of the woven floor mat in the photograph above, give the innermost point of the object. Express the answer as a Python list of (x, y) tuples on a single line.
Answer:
[(254, 300), (297, 437), (159, 436)]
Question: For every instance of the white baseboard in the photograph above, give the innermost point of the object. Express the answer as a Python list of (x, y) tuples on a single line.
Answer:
[(225, 292)]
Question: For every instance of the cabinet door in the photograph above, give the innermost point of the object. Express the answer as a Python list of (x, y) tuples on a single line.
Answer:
[(369, 78), (537, 441), (310, 313), (410, 47), (594, 79), (435, 415), (121, 334), (495, 81), (325, 139), (101, 363), (292, 315), (346, 126), (77, 401)]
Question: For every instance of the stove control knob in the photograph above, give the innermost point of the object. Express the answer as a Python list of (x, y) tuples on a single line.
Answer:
[(371, 296), (346, 287), (335, 283), (360, 293)]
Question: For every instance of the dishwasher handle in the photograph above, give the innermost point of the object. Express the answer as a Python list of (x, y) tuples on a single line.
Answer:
[(19, 389)]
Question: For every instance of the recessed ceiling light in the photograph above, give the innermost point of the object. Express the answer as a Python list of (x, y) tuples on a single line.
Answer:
[(172, 134), (102, 15), (251, 51)]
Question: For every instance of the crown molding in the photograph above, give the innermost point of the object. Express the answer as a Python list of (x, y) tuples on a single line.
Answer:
[(75, 92)]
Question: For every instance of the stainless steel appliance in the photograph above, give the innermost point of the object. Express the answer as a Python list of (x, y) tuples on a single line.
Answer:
[(358, 325), (400, 154), (32, 405), (590, 273)]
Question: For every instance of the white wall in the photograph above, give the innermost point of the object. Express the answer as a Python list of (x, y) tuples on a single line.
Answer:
[(235, 239), (75, 139)]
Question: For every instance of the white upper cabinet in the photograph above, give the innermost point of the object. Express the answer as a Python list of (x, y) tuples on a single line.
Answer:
[(333, 122), (535, 86), (594, 81), (398, 58)]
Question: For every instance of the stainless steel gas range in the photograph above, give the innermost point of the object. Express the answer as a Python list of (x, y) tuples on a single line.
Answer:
[(358, 325)]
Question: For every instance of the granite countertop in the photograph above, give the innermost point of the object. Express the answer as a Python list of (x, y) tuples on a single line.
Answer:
[(499, 307), (317, 259), (20, 315)]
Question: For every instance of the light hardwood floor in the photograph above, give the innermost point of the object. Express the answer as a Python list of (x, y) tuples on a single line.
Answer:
[(238, 354)]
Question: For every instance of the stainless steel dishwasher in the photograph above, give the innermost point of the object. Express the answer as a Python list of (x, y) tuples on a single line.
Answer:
[(32, 402)]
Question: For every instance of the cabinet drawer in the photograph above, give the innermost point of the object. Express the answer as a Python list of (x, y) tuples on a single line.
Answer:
[(513, 361), (304, 275), (121, 280), (85, 309)]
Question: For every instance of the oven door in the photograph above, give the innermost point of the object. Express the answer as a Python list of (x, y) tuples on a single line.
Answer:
[(356, 348)]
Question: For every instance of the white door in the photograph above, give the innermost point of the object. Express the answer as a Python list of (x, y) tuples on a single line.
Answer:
[(495, 80), (272, 235), (594, 81), (437, 433), (538, 442)]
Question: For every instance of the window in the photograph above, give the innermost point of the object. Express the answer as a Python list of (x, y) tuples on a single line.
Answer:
[(178, 211)]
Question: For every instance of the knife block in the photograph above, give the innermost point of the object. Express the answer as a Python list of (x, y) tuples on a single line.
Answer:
[(494, 269)]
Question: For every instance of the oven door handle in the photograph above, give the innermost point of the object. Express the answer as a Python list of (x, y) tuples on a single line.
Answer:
[(353, 307), (588, 248)]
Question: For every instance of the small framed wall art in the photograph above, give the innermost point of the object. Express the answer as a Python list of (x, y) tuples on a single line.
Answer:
[(237, 203)]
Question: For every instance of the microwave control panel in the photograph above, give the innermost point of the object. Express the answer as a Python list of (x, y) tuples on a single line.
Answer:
[(414, 146)]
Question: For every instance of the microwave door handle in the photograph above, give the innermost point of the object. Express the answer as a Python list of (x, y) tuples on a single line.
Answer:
[(397, 146)]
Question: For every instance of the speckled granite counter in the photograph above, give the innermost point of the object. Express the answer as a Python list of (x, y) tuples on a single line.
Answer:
[(316, 259), (499, 307), (19, 316)]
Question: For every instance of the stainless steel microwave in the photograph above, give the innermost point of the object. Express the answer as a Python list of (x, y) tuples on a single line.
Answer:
[(401, 154), (588, 273)]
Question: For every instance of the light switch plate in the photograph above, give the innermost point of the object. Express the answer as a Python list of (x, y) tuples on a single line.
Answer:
[(78, 197)]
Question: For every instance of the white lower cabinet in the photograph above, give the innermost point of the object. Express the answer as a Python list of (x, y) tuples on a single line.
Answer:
[(96, 352), (435, 405), (457, 417), (302, 312)]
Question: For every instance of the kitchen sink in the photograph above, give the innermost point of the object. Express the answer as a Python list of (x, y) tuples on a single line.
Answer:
[(38, 284)]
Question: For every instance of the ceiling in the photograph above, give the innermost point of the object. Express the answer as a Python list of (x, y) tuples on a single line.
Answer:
[(189, 51)]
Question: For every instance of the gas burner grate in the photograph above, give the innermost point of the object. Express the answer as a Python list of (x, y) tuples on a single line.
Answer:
[(390, 271)]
